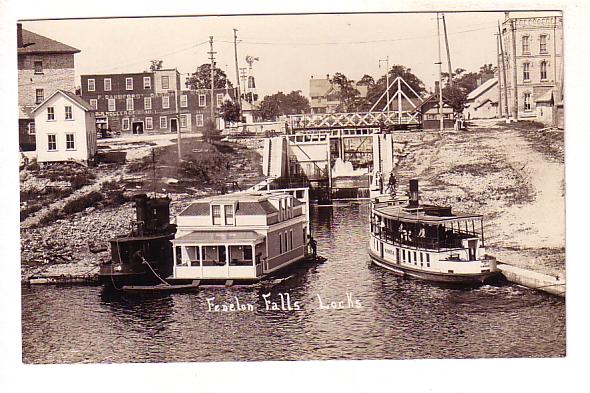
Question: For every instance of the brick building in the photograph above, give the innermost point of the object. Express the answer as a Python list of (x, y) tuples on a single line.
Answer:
[(533, 57), (44, 66), (149, 102)]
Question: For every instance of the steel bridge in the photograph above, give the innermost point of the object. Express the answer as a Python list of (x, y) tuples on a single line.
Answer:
[(393, 119)]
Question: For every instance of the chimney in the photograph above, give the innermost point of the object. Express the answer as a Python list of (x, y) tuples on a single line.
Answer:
[(506, 15), (19, 35), (414, 194)]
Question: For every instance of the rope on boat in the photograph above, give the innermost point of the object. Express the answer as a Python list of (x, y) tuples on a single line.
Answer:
[(153, 271)]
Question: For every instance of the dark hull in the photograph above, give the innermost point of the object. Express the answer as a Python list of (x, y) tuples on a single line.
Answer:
[(446, 278)]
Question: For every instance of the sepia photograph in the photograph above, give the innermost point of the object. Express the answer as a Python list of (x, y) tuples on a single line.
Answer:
[(291, 186)]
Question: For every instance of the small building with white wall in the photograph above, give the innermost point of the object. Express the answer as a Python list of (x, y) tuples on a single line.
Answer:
[(482, 102), (65, 129)]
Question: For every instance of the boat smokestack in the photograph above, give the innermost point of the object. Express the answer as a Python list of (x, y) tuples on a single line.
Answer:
[(141, 207), (414, 193)]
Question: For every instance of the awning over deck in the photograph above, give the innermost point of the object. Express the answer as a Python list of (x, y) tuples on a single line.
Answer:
[(219, 237), (398, 214)]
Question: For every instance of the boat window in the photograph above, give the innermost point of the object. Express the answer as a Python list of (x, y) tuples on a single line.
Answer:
[(229, 214), (193, 255), (178, 255), (216, 213)]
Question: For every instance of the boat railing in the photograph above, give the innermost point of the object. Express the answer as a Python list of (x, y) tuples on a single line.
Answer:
[(431, 243)]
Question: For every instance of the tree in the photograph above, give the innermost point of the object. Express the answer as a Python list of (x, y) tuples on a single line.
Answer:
[(201, 78), (283, 104), (463, 83), (156, 65), (379, 87), (366, 80), (210, 131), (345, 92), (230, 111)]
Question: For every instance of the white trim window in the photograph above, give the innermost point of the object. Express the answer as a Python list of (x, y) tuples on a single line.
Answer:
[(147, 103), (130, 105), (91, 85), (183, 101), (527, 102), (112, 105), (50, 113), (526, 72), (163, 122), (128, 83), (526, 48), (183, 121), (70, 142), (202, 100), (107, 84), (165, 102), (69, 115), (38, 65), (126, 124), (199, 120), (543, 70), (149, 123), (543, 43), (51, 142), (94, 103), (228, 212), (216, 214), (31, 128), (165, 82), (39, 96), (219, 99), (147, 82)]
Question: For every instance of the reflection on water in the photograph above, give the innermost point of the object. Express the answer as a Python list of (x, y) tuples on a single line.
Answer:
[(397, 318)]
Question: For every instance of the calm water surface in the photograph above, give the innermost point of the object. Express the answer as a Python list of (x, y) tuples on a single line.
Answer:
[(398, 318)]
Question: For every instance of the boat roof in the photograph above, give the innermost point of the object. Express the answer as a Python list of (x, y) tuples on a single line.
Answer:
[(402, 213), (219, 237)]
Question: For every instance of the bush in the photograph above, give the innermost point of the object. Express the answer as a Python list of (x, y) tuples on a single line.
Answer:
[(30, 209), (51, 216), (80, 180), (115, 198), (83, 202)]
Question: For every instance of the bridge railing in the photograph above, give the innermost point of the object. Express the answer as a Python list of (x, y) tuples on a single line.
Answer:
[(352, 119)]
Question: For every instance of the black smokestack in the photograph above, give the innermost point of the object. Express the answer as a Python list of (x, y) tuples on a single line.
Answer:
[(414, 193)]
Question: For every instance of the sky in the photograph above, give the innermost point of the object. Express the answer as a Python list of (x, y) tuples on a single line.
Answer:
[(290, 48)]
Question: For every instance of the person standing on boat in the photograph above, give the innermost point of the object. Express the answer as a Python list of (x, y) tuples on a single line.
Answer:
[(391, 186)]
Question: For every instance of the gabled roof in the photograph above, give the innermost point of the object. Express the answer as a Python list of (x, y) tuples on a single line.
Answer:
[(431, 98), (319, 87), (482, 88), (70, 96), (36, 43)]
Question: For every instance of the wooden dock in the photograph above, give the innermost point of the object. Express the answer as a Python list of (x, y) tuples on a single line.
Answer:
[(554, 285), (62, 279)]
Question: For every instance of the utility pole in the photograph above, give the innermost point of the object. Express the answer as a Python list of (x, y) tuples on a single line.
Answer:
[(212, 57), (448, 51), (498, 61), (440, 100), (386, 60), (514, 72), (503, 76), (237, 69)]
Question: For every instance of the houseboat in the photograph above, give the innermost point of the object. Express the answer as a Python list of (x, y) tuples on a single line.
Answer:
[(428, 242), (242, 236), (144, 255)]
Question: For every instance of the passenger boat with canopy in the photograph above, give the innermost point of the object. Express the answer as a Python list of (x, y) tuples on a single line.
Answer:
[(429, 242)]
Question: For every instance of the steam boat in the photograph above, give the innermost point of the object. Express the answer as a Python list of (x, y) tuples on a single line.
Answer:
[(428, 242), (144, 255)]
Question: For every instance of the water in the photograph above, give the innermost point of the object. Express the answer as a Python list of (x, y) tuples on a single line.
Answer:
[(398, 318)]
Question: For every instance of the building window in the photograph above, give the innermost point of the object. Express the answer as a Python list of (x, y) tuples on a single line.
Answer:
[(38, 67), (286, 242), (216, 214), (147, 82), (165, 102), (280, 243), (51, 142), (543, 43), (229, 214), (129, 104), (91, 85), (107, 84), (202, 100), (126, 123), (525, 44), (165, 82), (50, 113), (219, 98), (291, 238), (183, 122), (39, 96), (183, 101), (147, 103), (69, 115), (70, 142), (543, 70), (163, 122), (526, 75), (527, 101), (112, 106), (199, 120), (149, 123), (94, 103), (128, 83), (31, 128)]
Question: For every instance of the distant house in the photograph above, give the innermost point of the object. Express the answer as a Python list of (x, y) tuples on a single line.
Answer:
[(44, 66), (428, 110), (482, 102), (65, 129), (324, 95)]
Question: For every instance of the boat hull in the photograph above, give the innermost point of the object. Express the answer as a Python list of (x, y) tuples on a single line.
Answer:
[(447, 278)]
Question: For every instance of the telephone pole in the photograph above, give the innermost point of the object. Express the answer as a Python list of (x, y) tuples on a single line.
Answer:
[(448, 51), (212, 57), (514, 72), (440, 100), (386, 60), (503, 76), (499, 61), (237, 69), (243, 78)]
